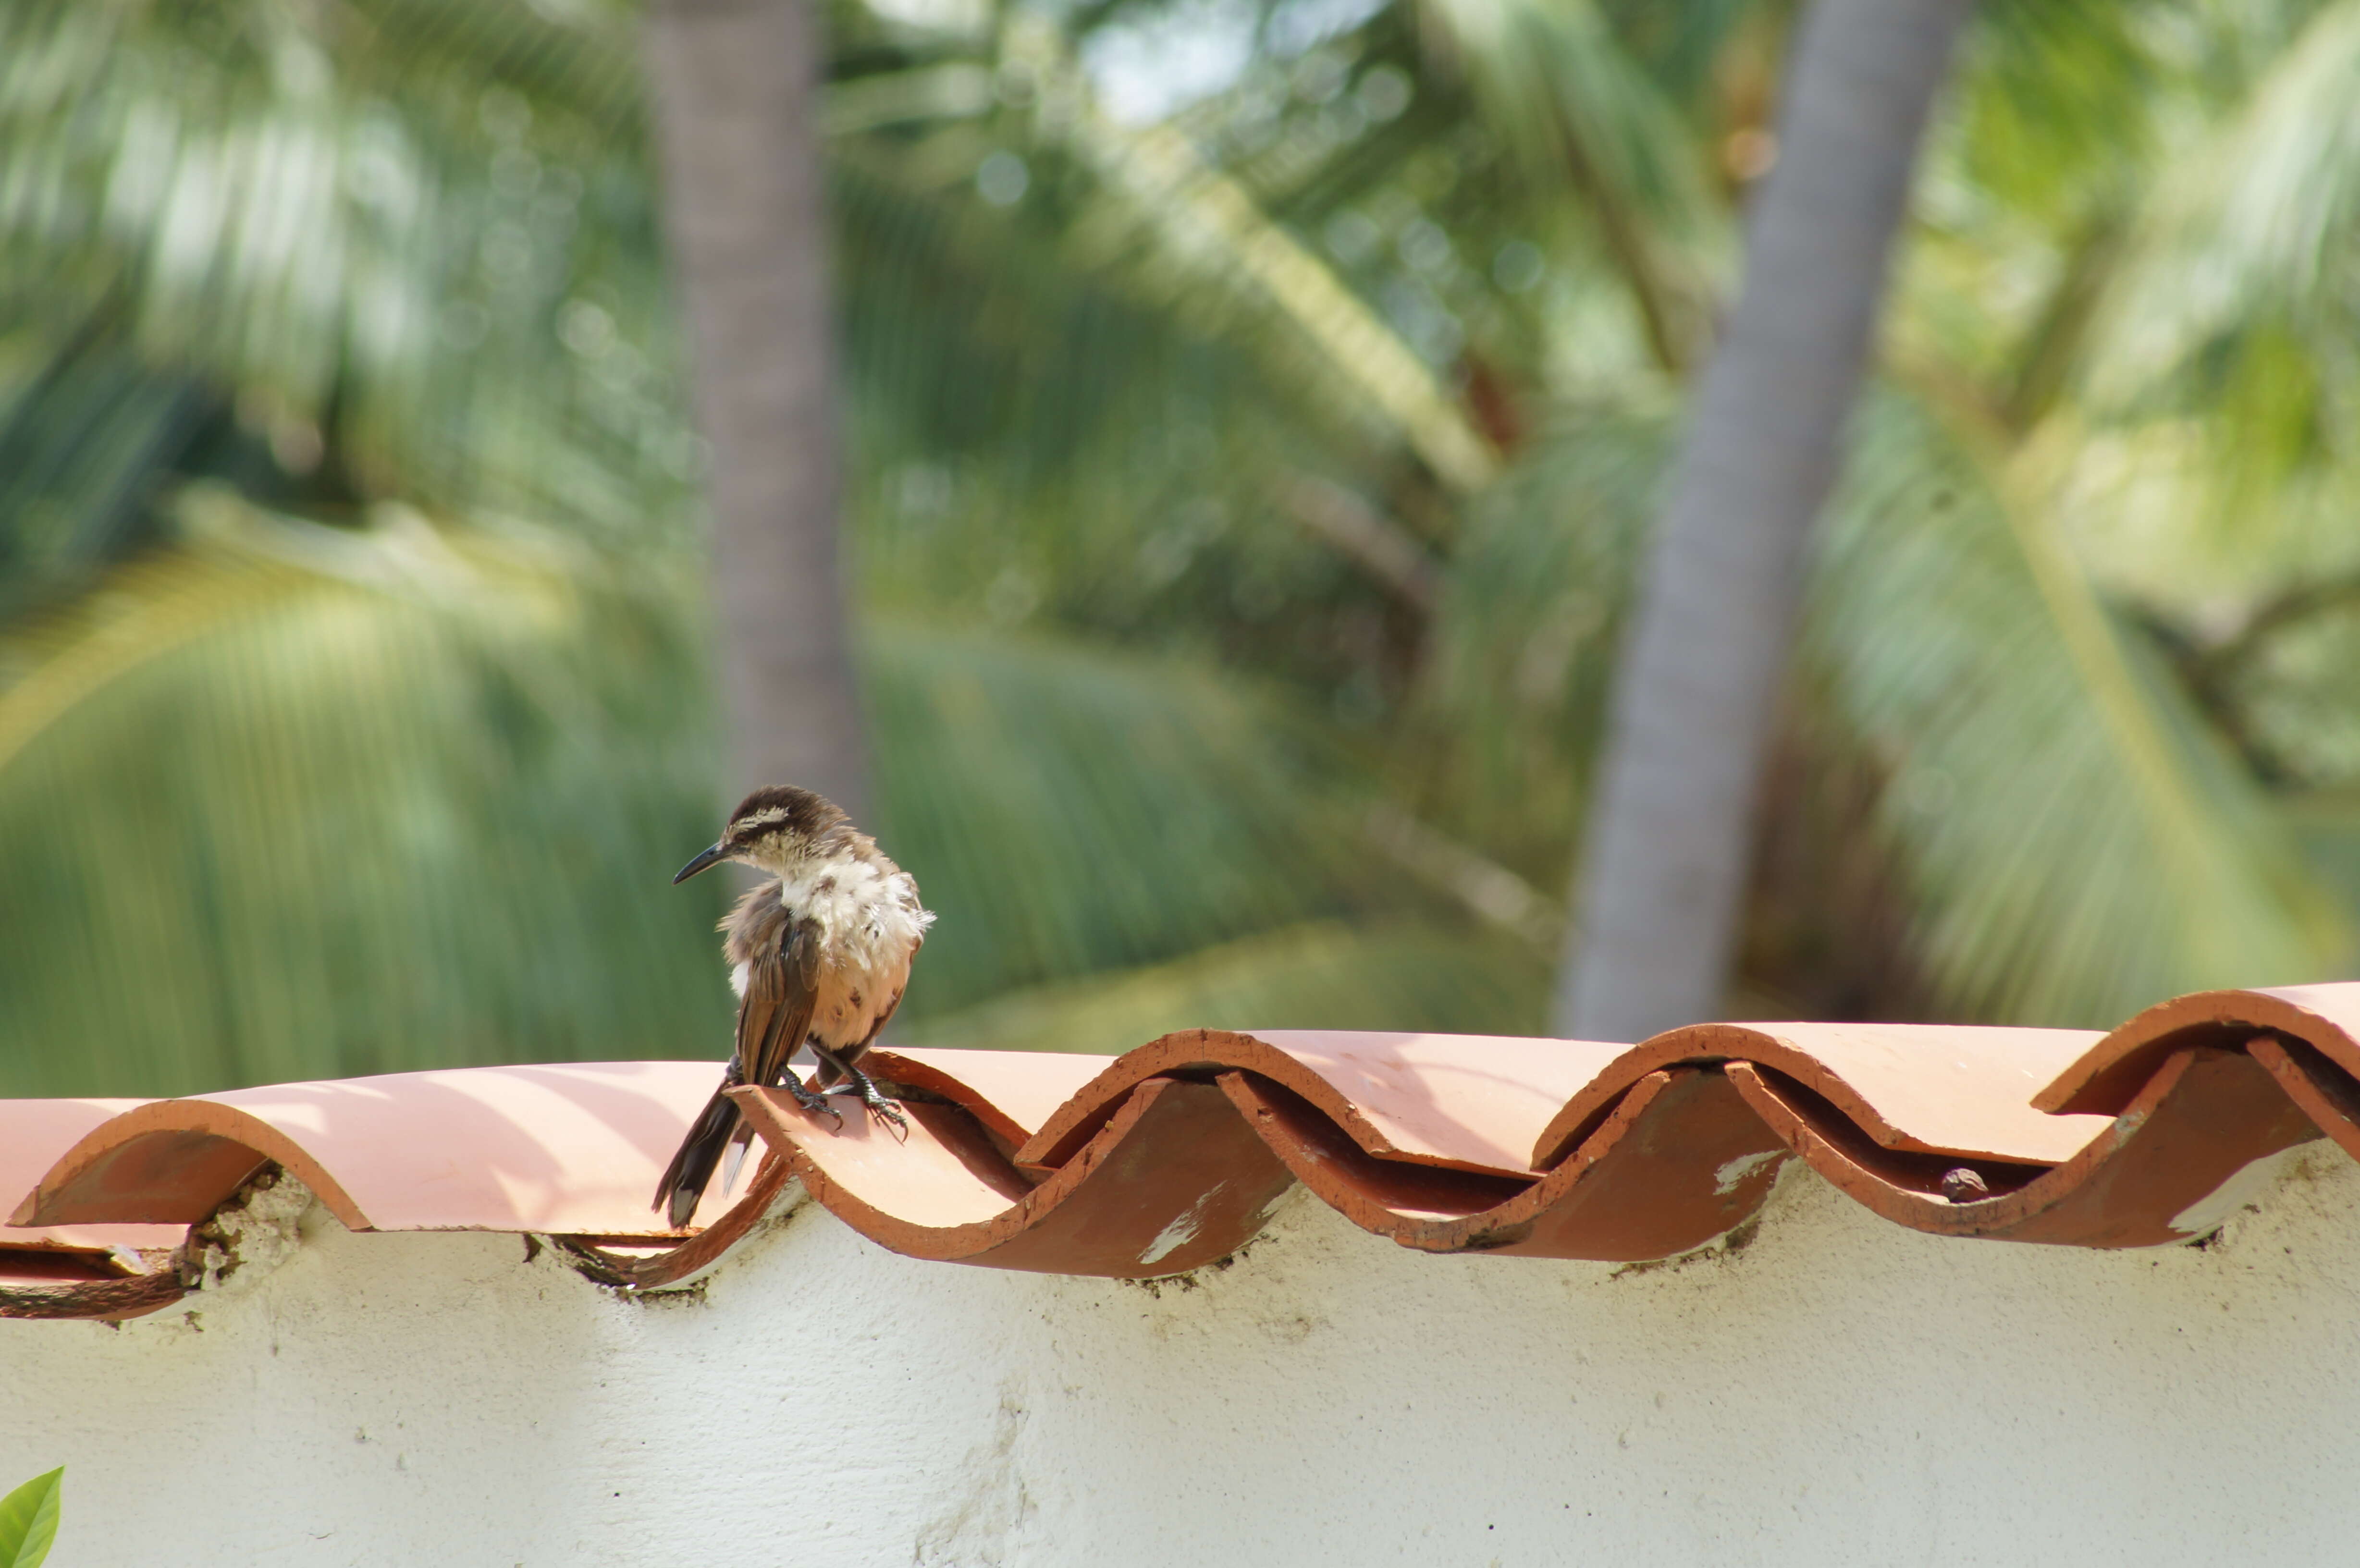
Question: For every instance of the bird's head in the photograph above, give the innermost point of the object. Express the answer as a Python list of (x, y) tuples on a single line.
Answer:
[(773, 829)]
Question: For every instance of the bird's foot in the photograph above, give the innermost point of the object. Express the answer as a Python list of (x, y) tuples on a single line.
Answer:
[(884, 1112), (812, 1100), (881, 1109)]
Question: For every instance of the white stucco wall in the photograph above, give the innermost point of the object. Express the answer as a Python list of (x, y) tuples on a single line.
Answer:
[(1841, 1392)]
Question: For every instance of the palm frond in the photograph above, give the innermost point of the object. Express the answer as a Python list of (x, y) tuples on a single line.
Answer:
[(2226, 327), (2071, 834), (263, 782), (1069, 809), (1498, 737), (2056, 103), (85, 430), (2077, 839), (1555, 83), (1143, 212), (360, 228), (2328, 827)]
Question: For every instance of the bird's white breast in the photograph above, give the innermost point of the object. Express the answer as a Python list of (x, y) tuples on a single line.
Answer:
[(871, 924)]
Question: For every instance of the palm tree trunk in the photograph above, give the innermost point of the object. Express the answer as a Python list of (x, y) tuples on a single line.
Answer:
[(736, 86), (1668, 838)]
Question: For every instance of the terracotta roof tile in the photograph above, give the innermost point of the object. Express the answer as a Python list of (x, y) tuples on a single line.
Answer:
[(1460, 1100), (1010, 1092), (1174, 1178), (33, 1134), (2110, 1075), (1174, 1154), (560, 1148), (74, 1270), (1930, 1089)]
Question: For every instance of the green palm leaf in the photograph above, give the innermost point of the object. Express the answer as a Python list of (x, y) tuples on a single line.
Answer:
[(2079, 842), (2252, 227), (261, 783), (363, 231), (1068, 808), (1557, 84), (2074, 839), (1499, 738), (1149, 217)]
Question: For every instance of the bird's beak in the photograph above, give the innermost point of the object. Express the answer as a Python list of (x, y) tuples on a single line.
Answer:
[(717, 854)]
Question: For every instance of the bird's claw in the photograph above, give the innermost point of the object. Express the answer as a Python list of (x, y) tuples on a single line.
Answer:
[(886, 1114), (813, 1102), (881, 1110)]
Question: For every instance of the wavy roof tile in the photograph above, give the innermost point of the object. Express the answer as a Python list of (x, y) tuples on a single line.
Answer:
[(1173, 1155)]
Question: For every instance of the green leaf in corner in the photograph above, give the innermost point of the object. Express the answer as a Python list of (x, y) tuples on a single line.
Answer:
[(29, 1520)]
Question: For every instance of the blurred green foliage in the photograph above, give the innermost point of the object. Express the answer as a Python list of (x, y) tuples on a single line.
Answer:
[(1255, 413)]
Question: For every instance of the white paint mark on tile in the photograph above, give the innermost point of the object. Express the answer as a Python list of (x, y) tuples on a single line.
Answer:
[(2248, 1187), (1725, 1181), (1180, 1232)]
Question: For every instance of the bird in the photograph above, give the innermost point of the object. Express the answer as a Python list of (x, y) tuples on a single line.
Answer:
[(819, 954)]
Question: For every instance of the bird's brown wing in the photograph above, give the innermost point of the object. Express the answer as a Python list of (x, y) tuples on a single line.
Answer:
[(782, 958), (781, 989)]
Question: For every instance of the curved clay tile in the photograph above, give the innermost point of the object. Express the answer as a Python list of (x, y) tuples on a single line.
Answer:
[(569, 1151), (2204, 1117), (1460, 1102), (646, 1264), (574, 1149), (1922, 1088), (2106, 1078), (1650, 1150), (109, 1271), (1174, 1154), (1677, 1161), (2319, 1089), (33, 1135), (106, 1300), (1013, 1093), (1171, 1179)]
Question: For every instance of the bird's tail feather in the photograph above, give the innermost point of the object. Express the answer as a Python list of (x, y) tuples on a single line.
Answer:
[(691, 1169), (739, 1144)]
